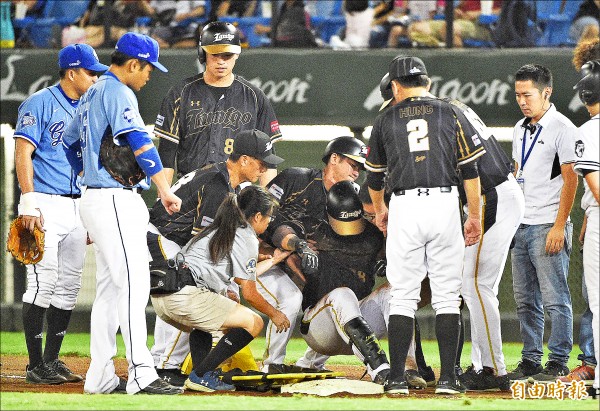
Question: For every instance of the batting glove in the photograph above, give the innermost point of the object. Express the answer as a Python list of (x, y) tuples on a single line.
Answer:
[(310, 260), (380, 268)]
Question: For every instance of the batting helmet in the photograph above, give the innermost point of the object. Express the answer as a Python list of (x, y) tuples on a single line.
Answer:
[(385, 88), (589, 86), (347, 146), (218, 37), (344, 209)]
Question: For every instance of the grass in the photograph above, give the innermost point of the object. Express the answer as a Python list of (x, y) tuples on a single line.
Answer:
[(78, 344)]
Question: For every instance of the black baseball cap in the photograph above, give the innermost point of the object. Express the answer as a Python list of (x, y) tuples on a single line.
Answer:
[(404, 66), (257, 144)]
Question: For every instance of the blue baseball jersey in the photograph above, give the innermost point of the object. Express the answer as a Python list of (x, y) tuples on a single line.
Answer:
[(108, 108), (43, 119)]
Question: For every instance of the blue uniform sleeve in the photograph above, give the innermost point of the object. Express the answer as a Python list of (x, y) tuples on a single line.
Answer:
[(31, 123), (123, 114)]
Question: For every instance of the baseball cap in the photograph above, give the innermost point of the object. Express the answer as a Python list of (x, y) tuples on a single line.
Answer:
[(141, 47), (79, 56), (404, 66), (255, 143)]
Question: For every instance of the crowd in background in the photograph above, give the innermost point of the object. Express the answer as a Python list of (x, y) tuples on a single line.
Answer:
[(337, 24)]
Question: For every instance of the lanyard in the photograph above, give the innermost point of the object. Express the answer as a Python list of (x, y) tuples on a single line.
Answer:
[(524, 156)]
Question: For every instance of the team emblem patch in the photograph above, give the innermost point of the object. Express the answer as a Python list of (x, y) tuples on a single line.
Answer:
[(206, 221), (28, 120), (475, 139), (579, 148), (274, 126), (251, 266), (276, 191), (128, 115), (160, 120)]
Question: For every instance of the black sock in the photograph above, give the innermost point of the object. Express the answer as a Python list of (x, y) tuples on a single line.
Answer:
[(461, 338), (33, 325), (229, 344), (419, 356), (446, 331), (58, 321), (400, 333), (200, 345)]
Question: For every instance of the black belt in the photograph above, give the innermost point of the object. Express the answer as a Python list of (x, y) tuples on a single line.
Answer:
[(186, 278), (71, 195), (135, 189), (424, 190)]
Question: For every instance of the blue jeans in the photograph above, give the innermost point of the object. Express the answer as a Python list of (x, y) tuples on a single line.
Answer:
[(586, 336), (540, 281)]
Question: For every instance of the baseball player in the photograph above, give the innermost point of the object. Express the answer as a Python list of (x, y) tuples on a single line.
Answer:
[(226, 251), (348, 248), (50, 200), (116, 216), (417, 135), (202, 192), (587, 164), (200, 117), (301, 192), (197, 123), (544, 157)]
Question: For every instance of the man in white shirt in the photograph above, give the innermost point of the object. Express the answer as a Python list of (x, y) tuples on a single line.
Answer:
[(543, 154)]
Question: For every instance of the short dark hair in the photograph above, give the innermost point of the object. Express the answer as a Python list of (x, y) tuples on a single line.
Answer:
[(119, 58), (234, 157), (420, 80), (539, 75), (62, 73)]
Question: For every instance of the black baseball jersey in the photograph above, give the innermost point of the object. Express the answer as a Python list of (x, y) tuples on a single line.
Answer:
[(201, 192), (344, 261), (494, 166), (197, 123), (422, 142), (302, 198)]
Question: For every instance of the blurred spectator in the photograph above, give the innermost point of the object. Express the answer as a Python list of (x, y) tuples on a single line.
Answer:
[(33, 8), (418, 10), (513, 28), (432, 33), (177, 24), (386, 14), (231, 8), (359, 16), (123, 14), (586, 22), (585, 51), (292, 26)]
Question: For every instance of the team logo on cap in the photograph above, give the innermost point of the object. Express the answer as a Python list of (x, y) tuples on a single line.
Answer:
[(144, 55), (75, 63), (268, 146), (414, 70), (223, 36), (364, 151)]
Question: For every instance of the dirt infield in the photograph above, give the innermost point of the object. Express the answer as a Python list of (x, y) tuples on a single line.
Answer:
[(12, 371)]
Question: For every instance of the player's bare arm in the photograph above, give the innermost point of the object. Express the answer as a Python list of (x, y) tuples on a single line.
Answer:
[(32, 216), (555, 240), (473, 224), (381, 210)]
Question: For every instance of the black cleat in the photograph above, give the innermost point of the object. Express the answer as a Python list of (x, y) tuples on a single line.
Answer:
[(526, 368), (399, 386), (451, 387), (159, 386), (42, 374), (61, 369), (172, 376), (551, 372), (121, 388)]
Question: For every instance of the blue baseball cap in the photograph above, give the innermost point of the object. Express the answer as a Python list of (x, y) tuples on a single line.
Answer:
[(141, 47), (80, 56)]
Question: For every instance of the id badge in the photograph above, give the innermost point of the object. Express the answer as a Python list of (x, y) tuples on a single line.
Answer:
[(521, 182)]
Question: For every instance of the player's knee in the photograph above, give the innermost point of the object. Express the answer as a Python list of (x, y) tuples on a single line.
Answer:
[(257, 324)]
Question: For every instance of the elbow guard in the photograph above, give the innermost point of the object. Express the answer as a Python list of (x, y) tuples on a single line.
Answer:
[(375, 181), (149, 161), (470, 171)]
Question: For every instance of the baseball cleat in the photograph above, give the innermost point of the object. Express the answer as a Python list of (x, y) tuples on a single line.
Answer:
[(209, 382), (525, 369), (172, 376), (414, 380), (61, 369), (399, 386), (551, 372), (42, 374), (121, 387), (159, 386), (451, 387), (428, 375)]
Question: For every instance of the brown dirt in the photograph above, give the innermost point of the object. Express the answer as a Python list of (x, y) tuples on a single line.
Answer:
[(12, 370)]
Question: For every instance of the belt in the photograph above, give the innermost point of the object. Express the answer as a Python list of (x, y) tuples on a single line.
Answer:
[(186, 278), (134, 189), (71, 195), (422, 191)]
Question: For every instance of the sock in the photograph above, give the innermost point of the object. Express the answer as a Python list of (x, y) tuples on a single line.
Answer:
[(461, 339), (419, 356), (232, 342), (58, 321), (446, 331), (400, 331), (200, 345), (33, 325)]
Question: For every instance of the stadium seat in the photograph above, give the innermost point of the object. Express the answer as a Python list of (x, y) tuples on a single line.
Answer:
[(246, 25), (555, 18), (55, 15)]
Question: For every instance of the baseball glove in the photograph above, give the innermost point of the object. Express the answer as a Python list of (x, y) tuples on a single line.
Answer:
[(25, 246), (120, 162)]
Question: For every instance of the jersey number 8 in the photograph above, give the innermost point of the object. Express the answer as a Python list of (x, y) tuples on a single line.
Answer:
[(228, 149)]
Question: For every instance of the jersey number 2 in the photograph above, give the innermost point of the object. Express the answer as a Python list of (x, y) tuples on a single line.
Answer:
[(418, 139)]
